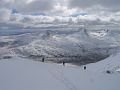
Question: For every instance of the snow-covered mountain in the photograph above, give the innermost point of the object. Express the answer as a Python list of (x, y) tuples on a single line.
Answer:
[(76, 45)]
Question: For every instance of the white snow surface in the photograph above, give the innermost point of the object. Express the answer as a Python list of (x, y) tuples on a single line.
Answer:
[(24, 74), (111, 63)]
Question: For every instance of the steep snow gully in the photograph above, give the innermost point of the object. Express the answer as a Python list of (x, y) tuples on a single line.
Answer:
[(77, 46)]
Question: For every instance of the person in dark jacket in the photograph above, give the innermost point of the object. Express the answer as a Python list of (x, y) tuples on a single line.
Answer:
[(84, 67), (63, 63), (43, 59)]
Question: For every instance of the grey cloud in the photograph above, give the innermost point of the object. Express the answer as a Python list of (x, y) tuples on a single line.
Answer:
[(113, 5), (34, 6), (4, 14), (80, 3), (92, 7), (35, 22), (6, 3)]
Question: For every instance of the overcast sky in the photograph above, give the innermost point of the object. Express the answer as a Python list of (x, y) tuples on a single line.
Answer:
[(61, 7), (17, 10)]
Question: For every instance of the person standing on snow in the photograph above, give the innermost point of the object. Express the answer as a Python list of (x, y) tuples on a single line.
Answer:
[(43, 59), (63, 63), (84, 67)]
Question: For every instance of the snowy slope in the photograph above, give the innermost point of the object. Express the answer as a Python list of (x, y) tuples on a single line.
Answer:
[(24, 74), (111, 63)]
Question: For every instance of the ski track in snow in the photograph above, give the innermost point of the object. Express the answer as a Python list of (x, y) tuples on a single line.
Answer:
[(61, 78)]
